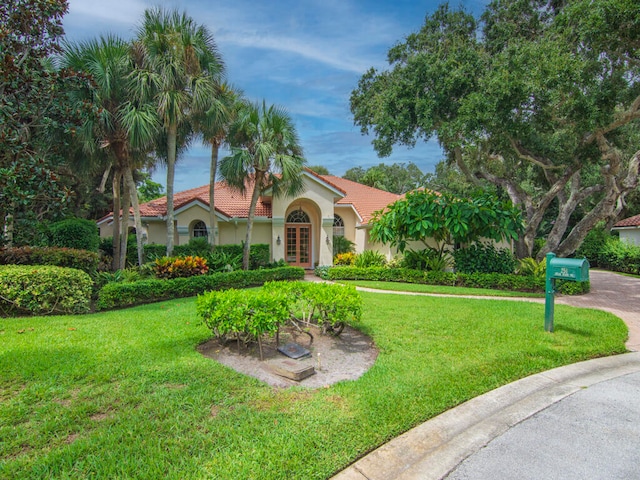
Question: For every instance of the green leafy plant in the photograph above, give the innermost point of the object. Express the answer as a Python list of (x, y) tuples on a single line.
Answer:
[(77, 233), (117, 295), (329, 306), (342, 245), (427, 259), (594, 245), (347, 258), (484, 258), (530, 266), (423, 215), (43, 290), (180, 267), (370, 258), (59, 257), (498, 281), (243, 315)]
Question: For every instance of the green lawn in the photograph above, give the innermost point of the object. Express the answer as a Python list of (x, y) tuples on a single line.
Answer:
[(124, 394), (440, 289)]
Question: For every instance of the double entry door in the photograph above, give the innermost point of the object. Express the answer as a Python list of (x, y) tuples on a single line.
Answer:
[(298, 245)]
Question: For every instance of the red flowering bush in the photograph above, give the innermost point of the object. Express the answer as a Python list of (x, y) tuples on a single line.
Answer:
[(180, 267)]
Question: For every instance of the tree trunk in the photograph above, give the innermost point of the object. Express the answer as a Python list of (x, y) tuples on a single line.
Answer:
[(133, 192), (124, 225), (607, 207), (116, 220), (252, 211), (213, 219), (171, 173)]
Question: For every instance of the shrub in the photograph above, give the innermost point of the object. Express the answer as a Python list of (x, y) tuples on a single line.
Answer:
[(370, 258), (197, 246), (572, 288), (245, 315), (620, 256), (427, 259), (329, 306), (180, 267), (342, 245), (75, 233), (484, 258), (59, 257), (117, 295), (346, 259), (594, 245), (518, 283), (42, 290), (531, 267), (322, 271)]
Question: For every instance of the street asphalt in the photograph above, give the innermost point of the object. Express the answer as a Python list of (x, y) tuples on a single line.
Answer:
[(581, 421)]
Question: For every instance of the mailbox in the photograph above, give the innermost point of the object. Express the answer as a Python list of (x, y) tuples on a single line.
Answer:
[(576, 269)]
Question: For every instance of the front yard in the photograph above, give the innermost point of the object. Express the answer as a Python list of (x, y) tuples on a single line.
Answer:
[(125, 394)]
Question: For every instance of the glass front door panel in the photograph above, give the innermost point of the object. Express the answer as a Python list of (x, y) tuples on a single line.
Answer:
[(305, 240), (292, 245)]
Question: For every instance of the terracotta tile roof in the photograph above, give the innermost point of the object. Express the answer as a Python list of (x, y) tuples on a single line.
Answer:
[(629, 222), (229, 202), (364, 199)]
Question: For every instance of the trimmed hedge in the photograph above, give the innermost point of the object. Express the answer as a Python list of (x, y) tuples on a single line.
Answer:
[(59, 257), (43, 290), (496, 281), (499, 281), (77, 233), (118, 295)]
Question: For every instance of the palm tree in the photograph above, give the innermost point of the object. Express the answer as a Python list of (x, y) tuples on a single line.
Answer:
[(265, 153), (214, 126), (124, 129), (179, 66)]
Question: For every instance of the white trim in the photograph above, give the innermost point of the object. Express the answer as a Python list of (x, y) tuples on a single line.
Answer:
[(348, 205), (633, 227)]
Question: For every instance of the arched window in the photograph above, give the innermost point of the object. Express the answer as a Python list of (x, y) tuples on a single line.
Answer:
[(338, 226), (199, 229), (298, 216)]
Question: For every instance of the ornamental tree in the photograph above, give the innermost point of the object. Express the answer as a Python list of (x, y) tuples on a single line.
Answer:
[(424, 215)]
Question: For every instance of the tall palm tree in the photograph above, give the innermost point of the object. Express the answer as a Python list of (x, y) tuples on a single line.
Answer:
[(265, 153), (179, 66), (124, 128), (214, 126)]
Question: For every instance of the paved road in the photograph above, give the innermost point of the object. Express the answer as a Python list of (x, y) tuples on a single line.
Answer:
[(581, 421)]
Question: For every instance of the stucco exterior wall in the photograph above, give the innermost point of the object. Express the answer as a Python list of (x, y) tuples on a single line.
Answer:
[(317, 201), (630, 235)]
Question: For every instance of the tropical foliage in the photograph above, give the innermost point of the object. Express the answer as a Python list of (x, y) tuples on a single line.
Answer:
[(178, 70), (265, 154), (422, 215)]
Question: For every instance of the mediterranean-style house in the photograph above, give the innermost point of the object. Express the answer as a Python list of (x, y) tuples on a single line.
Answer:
[(300, 230), (629, 230)]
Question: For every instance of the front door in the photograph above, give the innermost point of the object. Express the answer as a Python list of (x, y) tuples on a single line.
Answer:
[(298, 236)]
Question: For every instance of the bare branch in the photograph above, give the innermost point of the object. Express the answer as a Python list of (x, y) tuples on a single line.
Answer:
[(524, 154)]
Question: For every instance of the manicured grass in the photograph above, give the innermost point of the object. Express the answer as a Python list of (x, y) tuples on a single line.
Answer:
[(441, 289), (124, 394)]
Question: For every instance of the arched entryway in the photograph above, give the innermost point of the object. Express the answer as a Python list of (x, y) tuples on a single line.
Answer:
[(298, 239)]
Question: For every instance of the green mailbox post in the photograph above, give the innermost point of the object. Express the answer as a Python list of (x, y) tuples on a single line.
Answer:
[(574, 269)]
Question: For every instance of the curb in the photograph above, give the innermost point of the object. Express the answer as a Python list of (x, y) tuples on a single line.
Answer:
[(433, 449)]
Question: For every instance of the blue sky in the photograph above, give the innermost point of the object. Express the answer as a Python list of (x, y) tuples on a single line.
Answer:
[(306, 56)]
